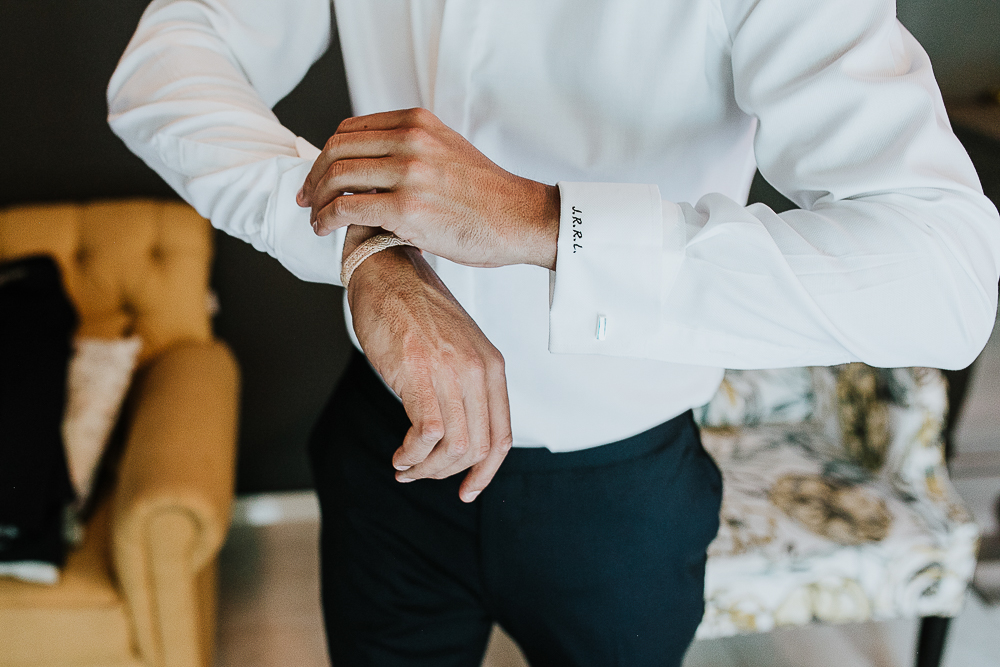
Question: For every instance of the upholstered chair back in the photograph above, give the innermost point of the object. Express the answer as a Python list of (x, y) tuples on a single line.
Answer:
[(837, 505), (130, 267), (886, 422)]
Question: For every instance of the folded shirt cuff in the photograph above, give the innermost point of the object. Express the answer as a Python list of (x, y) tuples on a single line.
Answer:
[(309, 257), (618, 251)]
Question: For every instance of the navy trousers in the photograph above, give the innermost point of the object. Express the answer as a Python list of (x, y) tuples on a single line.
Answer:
[(594, 557)]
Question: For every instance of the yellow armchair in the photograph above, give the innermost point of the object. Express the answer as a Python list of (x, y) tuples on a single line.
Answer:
[(140, 590)]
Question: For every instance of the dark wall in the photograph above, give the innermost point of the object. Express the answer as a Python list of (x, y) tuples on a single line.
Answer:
[(55, 60), (962, 37), (56, 57)]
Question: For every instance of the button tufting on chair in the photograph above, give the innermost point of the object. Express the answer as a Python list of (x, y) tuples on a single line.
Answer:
[(140, 590)]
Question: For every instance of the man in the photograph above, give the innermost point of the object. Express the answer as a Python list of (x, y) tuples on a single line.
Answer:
[(578, 322)]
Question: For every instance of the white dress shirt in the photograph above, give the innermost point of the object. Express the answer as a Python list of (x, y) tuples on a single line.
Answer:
[(652, 116)]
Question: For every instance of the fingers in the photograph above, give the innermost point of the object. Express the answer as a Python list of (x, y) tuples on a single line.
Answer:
[(349, 146), (427, 426), (448, 457), (477, 433), (501, 438), (393, 181), (347, 176), (368, 210), (356, 175), (377, 135)]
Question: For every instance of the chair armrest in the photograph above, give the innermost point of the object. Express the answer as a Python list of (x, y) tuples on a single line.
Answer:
[(172, 504)]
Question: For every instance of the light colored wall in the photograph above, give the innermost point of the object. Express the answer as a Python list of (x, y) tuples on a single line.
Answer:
[(962, 38)]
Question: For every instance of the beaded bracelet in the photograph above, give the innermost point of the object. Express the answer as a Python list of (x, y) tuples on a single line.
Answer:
[(368, 248)]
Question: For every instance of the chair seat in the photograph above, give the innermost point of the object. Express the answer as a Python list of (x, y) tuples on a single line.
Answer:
[(807, 535), (80, 622)]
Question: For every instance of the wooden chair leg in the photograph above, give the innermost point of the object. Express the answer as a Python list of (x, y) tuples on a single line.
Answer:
[(930, 643)]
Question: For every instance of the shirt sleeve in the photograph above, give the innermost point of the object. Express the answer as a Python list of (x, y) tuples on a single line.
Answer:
[(192, 97), (891, 260)]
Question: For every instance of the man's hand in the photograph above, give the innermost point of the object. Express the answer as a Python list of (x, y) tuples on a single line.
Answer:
[(449, 376), (432, 188)]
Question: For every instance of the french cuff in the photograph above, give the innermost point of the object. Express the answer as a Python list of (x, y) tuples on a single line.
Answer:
[(309, 257), (615, 251)]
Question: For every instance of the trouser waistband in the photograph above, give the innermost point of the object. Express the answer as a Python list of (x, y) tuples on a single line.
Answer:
[(534, 459)]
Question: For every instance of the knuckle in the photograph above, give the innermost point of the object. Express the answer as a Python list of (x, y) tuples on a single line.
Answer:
[(431, 430), (495, 360), (340, 206), (475, 366), (505, 443), (458, 447), (338, 169), (412, 169), (418, 114), (415, 137)]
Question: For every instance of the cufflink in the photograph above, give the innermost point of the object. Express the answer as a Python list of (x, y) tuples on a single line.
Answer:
[(602, 327)]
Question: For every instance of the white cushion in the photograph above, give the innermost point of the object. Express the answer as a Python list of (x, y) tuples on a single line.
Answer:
[(99, 376), (33, 571)]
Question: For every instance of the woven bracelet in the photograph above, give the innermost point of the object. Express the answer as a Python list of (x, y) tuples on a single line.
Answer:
[(367, 249)]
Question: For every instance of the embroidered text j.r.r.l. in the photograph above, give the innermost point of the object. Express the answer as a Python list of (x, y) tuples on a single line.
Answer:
[(577, 229)]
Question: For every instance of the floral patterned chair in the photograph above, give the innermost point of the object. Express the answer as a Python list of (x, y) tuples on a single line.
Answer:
[(837, 505)]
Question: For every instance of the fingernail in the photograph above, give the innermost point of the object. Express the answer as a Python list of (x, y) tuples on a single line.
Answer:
[(402, 466), (315, 226), (469, 496), (404, 480), (300, 197)]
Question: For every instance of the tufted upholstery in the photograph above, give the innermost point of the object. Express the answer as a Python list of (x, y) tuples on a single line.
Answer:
[(135, 266), (140, 590)]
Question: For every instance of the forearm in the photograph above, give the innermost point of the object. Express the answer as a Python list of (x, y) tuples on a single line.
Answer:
[(449, 377)]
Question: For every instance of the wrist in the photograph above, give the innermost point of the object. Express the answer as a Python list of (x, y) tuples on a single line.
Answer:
[(380, 269), (355, 236), (543, 226)]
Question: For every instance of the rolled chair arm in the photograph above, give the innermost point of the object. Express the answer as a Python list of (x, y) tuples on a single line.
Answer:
[(172, 504)]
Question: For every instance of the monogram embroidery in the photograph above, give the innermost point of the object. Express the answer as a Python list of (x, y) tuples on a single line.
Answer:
[(577, 232)]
